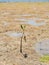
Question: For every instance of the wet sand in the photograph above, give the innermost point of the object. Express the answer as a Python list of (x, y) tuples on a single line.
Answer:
[(36, 18)]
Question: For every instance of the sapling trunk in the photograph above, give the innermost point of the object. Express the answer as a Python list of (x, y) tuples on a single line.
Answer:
[(21, 46)]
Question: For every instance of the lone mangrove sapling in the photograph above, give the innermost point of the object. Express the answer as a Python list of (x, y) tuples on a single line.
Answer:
[(23, 38)]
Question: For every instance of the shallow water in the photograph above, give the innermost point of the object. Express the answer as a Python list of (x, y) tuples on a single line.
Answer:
[(13, 34), (26, 21), (24, 0), (42, 47), (32, 22)]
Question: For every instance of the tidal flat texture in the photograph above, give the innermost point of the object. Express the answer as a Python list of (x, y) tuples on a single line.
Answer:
[(35, 16)]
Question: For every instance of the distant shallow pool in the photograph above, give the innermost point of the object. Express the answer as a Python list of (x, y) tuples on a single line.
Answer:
[(34, 23), (31, 21), (42, 47)]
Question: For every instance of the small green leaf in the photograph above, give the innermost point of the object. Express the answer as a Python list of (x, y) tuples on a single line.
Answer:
[(21, 27)]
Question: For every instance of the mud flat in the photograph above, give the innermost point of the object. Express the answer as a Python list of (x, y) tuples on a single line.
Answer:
[(36, 18)]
